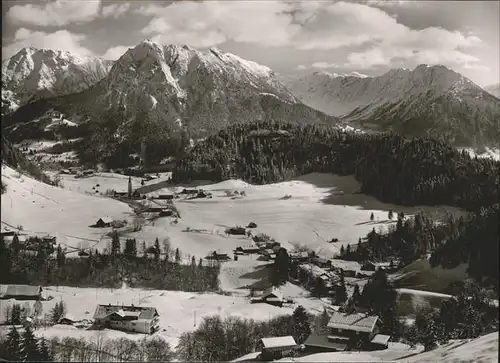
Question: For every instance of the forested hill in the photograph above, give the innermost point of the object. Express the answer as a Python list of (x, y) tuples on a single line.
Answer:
[(417, 171), (390, 167)]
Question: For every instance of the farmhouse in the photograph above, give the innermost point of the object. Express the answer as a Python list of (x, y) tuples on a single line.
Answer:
[(272, 296), (103, 222), (374, 266), (67, 320), (277, 347), (346, 331), (247, 249), (321, 262), (20, 292), (127, 318), (49, 240), (299, 256), (164, 197)]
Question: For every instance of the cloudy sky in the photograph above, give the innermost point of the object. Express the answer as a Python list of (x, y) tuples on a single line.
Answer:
[(291, 37)]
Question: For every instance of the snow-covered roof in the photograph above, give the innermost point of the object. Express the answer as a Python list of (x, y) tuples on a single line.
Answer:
[(313, 269), (106, 219), (277, 342), (103, 311), (355, 322), (381, 339), (20, 290), (273, 291)]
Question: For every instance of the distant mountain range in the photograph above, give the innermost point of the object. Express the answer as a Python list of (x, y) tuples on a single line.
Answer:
[(160, 92), (429, 100), (33, 74), (494, 89)]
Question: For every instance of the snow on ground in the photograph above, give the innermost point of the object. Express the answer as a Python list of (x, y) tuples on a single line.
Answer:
[(316, 212), (481, 350), (179, 311), (41, 209)]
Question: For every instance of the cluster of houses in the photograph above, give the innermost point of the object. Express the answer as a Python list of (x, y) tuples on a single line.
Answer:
[(344, 332)]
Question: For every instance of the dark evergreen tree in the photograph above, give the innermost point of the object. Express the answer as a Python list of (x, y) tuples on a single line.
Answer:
[(29, 346), (115, 243), (60, 256), (177, 255), (130, 248), (13, 346), (44, 354), (301, 328), (157, 250), (372, 217), (391, 214)]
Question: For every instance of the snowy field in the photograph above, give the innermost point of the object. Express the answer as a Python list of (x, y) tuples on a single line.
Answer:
[(315, 213), (40, 209), (179, 311), (488, 153)]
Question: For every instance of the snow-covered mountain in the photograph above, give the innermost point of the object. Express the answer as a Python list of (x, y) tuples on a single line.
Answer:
[(423, 101), (172, 90), (32, 74), (494, 89)]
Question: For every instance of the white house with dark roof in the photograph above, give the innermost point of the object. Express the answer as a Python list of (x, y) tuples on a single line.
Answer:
[(348, 330), (127, 318), (277, 347), (272, 296)]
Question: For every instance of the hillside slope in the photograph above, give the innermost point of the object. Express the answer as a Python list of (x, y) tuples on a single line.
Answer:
[(32, 74), (429, 100)]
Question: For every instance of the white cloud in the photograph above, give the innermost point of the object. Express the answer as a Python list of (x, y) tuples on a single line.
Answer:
[(115, 52), (309, 25), (301, 67), (55, 13), (115, 10), (324, 65), (209, 23), (60, 40)]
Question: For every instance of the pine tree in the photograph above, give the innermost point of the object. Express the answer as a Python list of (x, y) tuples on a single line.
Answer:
[(130, 248), (342, 251), (348, 249), (29, 346), (157, 249), (200, 263), (341, 292), (13, 345), (372, 217), (15, 317), (356, 295), (115, 243), (177, 255), (44, 354), (61, 257), (300, 325), (391, 214), (193, 262)]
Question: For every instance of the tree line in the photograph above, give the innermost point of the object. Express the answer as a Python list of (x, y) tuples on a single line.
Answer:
[(159, 267), (23, 346)]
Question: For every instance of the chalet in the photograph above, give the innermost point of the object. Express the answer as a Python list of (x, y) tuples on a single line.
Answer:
[(165, 196), (320, 262), (154, 209), (67, 320), (268, 254), (247, 249), (49, 240), (277, 347), (189, 191), (20, 292), (218, 256), (103, 222), (252, 225), (120, 194), (299, 256), (375, 266), (236, 231), (346, 331), (127, 318), (272, 296)]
